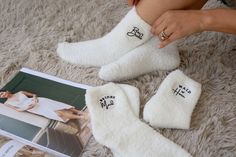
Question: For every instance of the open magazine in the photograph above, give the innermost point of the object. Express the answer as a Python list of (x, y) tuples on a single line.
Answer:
[(42, 112), (13, 148)]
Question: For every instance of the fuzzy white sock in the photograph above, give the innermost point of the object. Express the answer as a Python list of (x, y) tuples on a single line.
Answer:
[(131, 32), (173, 104), (119, 129), (133, 97), (132, 94), (143, 59)]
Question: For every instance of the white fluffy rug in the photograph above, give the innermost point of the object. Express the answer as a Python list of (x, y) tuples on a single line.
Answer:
[(31, 29)]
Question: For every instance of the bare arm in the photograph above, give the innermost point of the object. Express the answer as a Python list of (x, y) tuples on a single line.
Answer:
[(29, 94), (35, 99), (220, 20), (180, 23)]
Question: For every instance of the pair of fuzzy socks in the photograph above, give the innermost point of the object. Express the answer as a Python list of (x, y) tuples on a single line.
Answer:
[(115, 124), (129, 50), (114, 110)]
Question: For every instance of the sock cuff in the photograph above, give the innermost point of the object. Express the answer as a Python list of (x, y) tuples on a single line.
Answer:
[(134, 14), (105, 98), (135, 26), (133, 95), (179, 76), (182, 84), (94, 94)]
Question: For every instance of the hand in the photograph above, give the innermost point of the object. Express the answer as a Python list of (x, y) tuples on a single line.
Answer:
[(178, 24), (132, 2), (30, 106), (34, 101)]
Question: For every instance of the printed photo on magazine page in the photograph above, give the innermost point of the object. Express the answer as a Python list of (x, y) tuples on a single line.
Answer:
[(47, 111), (13, 148)]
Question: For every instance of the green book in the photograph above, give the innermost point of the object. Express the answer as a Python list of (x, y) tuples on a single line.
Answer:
[(43, 111)]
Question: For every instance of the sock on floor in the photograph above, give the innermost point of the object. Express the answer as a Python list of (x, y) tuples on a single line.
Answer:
[(173, 104), (132, 94), (133, 97), (143, 59), (131, 32), (120, 130)]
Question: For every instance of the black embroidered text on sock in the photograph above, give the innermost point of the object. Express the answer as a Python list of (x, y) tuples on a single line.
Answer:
[(135, 32), (181, 91), (107, 101)]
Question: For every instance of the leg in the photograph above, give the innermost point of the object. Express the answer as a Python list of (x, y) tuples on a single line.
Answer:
[(142, 60), (131, 32), (150, 10), (152, 58)]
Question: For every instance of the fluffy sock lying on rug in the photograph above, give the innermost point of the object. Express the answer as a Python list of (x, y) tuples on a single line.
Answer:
[(115, 125), (131, 32), (173, 104), (132, 94), (141, 60)]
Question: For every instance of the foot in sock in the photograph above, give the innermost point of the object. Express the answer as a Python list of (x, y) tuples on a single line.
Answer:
[(116, 126), (131, 32), (173, 104), (143, 59)]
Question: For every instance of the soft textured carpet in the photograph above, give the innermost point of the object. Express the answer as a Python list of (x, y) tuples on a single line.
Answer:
[(31, 29)]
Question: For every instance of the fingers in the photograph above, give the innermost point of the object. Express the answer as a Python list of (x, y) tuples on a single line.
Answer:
[(165, 29), (75, 110), (30, 106), (72, 116), (175, 24), (169, 31), (79, 114), (164, 32), (158, 29), (83, 114), (162, 25), (158, 25), (172, 38)]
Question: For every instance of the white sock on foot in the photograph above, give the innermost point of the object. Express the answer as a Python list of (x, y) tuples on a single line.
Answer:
[(143, 59), (131, 32), (173, 104), (119, 129)]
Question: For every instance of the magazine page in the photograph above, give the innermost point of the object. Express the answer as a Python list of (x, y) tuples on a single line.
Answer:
[(13, 148), (46, 112)]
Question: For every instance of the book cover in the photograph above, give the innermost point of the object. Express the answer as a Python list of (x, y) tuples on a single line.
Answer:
[(43, 111)]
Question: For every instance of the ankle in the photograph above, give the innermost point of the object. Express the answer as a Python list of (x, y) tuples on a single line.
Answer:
[(145, 16)]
